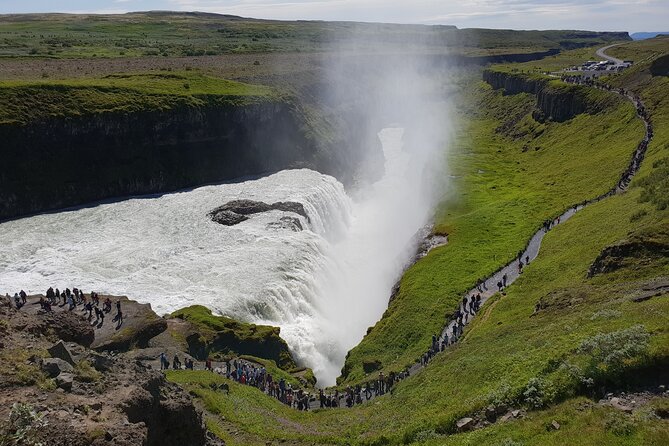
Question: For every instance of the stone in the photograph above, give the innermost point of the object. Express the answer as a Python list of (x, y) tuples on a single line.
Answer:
[(64, 381), (506, 417), (615, 401), (96, 406), (515, 413), (490, 414), (502, 409), (662, 388), (555, 425), (55, 366), (465, 424), (100, 362), (227, 218), (59, 350)]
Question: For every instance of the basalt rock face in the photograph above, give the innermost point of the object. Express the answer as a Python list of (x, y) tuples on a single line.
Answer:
[(61, 162), (554, 102)]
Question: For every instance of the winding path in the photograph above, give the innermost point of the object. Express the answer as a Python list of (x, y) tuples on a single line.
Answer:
[(531, 251)]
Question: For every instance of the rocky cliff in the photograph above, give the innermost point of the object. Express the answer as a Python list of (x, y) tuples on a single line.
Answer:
[(556, 101), (63, 161)]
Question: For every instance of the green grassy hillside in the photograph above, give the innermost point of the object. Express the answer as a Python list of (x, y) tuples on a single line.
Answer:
[(558, 338), (24, 102)]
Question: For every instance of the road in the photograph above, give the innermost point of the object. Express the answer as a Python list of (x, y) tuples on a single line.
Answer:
[(602, 53)]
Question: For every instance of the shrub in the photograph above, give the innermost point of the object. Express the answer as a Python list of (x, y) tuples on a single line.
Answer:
[(85, 372), (534, 394), (611, 350), (22, 427), (619, 425)]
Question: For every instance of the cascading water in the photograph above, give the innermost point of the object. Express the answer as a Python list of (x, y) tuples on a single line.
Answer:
[(323, 286)]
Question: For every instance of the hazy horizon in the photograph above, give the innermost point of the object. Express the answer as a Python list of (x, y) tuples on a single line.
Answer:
[(595, 15)]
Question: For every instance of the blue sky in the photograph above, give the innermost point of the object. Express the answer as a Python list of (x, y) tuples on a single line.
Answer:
[(611, 15)]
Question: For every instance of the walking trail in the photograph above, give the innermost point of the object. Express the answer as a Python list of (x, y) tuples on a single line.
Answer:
[(511, 271)]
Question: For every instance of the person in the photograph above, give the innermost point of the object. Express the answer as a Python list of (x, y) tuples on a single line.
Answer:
[(208, 364), (164, 363), (17, 300), (520, 267), (107, 305), (176, 364), (119, 313), (527, 260), (504, 280), (499, 285), (24, 297)]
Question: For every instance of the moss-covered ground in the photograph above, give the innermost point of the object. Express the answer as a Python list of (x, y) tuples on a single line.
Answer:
[(22, 102), (556, 337)]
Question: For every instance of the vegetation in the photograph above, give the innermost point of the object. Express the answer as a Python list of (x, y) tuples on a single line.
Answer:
[(169, 34), (512, 174), (224, 336), (23, 102)]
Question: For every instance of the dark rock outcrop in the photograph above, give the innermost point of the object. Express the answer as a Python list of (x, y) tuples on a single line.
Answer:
[(168, 413), (555, 101), (236, 211), (638, 249), (660, 66)]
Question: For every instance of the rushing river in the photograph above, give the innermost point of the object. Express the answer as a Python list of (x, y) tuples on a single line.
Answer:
[(323, 286)]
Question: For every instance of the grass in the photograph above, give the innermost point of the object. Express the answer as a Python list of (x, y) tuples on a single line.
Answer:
[(506, 186), (581, 422), (23, 102), (165, 34)]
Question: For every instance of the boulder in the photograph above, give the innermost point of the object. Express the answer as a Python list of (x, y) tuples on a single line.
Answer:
[(59, 350), (55, 366), (555, 425), (465, 424), (100, 362), (502, 409), (236, 211), (64, 381), (491, 414), (227, 218)]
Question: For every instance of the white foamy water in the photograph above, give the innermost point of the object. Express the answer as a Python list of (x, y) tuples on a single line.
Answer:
[(323, 286)]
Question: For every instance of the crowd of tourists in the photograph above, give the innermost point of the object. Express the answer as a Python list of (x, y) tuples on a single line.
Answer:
[(74, 299)]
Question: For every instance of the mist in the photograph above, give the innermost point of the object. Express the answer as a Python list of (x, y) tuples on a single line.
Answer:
[(405, 99)]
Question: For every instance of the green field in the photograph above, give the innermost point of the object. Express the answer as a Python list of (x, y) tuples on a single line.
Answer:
[(171, 34), (24, 102)]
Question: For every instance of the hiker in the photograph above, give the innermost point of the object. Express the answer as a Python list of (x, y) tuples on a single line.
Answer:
[(17, 300), (527, 260), (24, 297), (208, 364), (504, 280), (520, 267), (119, 313), (464, 304), (176, 364), (107, 305)]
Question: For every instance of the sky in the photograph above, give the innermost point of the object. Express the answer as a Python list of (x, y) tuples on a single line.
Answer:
[(596, 15)]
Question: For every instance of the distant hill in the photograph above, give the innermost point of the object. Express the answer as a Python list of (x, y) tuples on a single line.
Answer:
[(649, 35)]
